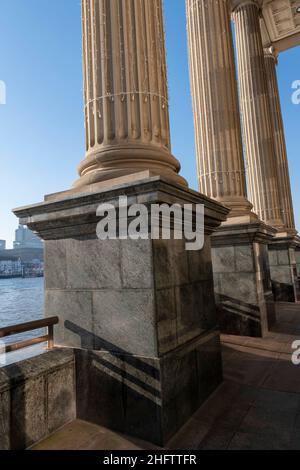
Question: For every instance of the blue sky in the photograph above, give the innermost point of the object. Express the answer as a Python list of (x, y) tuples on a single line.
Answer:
[(41, 126)]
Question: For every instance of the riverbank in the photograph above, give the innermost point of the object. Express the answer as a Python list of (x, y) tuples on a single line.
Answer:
[(20, 276)]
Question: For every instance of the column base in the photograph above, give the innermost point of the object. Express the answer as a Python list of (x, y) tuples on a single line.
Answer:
[(140, 313), (242, 279), (284, 276), (125, 160)]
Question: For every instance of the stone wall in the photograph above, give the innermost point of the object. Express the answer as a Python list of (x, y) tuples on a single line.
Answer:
[(37, 397)]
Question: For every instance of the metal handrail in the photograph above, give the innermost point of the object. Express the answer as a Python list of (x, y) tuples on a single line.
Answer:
[(30, 326)]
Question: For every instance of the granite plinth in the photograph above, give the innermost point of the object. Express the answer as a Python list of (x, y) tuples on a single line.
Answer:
[(242, 279), (134, 309), (37, 397), (283, 266)]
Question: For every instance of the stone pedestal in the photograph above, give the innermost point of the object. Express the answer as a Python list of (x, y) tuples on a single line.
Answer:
[(282, 256), (242, 280), (140, 314)]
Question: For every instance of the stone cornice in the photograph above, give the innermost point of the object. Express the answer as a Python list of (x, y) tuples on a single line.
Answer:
[(235, 234), (75, 214)]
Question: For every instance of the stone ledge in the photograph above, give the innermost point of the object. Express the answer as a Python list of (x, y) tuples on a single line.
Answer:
[(75, 215), (37, 397), (46, 363)]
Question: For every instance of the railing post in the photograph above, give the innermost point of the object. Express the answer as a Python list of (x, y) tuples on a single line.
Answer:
[(50, 337)]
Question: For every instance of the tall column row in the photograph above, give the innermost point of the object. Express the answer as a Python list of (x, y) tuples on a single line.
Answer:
[(283, 175), (221, 170), (255, 108)]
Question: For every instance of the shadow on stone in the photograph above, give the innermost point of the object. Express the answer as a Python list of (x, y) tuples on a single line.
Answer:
[(37, 397), (238, 317), (283, 292), (149, 398)]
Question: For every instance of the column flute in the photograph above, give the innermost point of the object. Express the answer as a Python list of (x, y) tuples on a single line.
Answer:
[(286, 202), (125, 91), (256, 114), (221, 170)]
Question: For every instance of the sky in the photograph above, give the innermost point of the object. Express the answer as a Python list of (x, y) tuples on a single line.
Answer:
[(41, 125)]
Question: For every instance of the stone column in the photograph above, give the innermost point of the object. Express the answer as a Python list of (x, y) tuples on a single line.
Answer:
[(284, 185), (221, 170), (239, 246), (282, 250), (256, 114), (125, 91)]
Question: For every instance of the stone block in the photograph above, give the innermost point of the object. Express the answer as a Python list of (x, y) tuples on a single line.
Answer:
[(119, 392), (29, 415), (166, 320), (74, 308), (170, 263), (283, 257), (147, 397), (61, 402), (273, 257), (200, 264), (56, 260), (163, 265), (239, 287), (117, 314), (281, 274), (93, 263), (244, 259), (223, 259), (136, 264), (190, 312), (36, 397)]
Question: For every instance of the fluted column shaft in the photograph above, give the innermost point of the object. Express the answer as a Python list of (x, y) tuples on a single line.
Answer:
[(125, 91), (221, 170), (255, 108), (286, 202)]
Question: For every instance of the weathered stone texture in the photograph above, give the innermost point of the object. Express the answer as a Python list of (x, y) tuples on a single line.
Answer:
[(37, 396)]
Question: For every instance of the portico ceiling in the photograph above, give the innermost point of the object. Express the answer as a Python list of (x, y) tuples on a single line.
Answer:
[(281, 23)]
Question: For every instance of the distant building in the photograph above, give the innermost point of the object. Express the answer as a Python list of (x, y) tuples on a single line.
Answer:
[(25, 259), (10, 266), (25, 238), (27, 255)]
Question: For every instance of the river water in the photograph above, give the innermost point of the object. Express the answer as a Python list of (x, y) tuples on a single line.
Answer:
[(21, 300)]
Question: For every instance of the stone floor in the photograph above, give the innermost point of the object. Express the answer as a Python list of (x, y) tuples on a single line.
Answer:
[(256, 407)]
